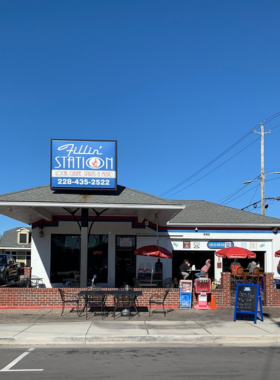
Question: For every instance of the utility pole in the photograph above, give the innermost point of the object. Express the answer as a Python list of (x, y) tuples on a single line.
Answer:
[(262, 176)]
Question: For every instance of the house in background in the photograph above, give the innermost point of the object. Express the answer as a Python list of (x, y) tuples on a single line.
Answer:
[(17, 242)]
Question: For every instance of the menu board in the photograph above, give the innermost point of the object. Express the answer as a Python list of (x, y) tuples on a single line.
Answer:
[(246, 298), (248, 301)]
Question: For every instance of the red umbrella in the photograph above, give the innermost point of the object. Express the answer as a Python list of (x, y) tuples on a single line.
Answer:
[(236, 253), (277, 253), (153, 250)]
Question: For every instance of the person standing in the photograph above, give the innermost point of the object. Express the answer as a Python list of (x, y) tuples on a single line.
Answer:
[(204, 269), (252, 266), (184, 268)]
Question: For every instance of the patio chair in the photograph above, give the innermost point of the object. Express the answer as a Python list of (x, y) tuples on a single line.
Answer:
[(255, 275), (124, 302), (94, 301), (71, 298), (134, 299), (168, 283), (158, 300), (239, 273)]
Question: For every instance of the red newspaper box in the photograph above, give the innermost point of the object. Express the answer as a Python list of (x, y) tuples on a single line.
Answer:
[(202, 286)]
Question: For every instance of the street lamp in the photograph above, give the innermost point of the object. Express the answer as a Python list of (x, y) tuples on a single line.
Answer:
[(261, 179)]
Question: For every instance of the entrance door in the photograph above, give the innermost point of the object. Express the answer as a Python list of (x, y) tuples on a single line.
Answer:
[(125, 260)]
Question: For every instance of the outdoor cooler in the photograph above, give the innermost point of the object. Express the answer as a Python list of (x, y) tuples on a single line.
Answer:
[(202, 286)]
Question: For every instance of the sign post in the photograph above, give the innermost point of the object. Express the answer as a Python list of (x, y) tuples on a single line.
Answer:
[(248, 301)]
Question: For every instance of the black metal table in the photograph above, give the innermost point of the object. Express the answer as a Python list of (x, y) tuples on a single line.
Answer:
[(122, 292)]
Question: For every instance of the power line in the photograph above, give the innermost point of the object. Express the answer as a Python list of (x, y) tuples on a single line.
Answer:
[(219, 156), (273, 179), (214, 168), (223, 200)]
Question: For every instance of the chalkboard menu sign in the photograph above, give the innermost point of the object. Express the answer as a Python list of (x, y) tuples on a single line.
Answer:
[(248, 300)]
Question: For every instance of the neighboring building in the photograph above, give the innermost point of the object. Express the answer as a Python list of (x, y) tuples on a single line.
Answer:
[(90, 233), (17, 242)]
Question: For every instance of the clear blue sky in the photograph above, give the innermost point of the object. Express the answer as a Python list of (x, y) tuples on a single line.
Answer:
[(175, 82)]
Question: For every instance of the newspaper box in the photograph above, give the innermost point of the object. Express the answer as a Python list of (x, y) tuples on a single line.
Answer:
[(185, 294), (202, 286)]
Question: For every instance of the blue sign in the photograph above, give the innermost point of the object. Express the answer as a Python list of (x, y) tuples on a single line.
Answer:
[(219, 244), (83, 164)]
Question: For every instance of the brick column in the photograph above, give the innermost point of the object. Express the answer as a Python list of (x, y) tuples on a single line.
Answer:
[(269, 298), (27, 272), (225, 282)]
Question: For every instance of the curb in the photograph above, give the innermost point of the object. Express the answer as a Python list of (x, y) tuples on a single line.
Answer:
[(193, 340)]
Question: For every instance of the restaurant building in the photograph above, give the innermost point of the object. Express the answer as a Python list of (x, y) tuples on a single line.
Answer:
[(85, 225), (123, 220)]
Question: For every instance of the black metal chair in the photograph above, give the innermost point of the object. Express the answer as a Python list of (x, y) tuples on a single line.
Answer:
[(134, 300), (125, 302), (158, 300), (69, 298), (95, 301), (168, 283)]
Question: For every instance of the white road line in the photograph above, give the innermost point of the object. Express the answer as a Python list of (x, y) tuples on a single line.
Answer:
[(14, 362)]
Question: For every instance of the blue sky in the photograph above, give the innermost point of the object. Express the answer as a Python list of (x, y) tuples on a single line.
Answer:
[(176, 83)]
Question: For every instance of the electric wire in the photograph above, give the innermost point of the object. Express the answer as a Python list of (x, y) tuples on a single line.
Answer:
[(273, 179), (223, 163), (223, 200), (269, 119)]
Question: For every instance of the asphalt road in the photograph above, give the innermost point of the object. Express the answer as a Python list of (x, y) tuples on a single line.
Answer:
[(138, 363)]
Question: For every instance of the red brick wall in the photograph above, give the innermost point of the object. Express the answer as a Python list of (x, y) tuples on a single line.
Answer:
[(271, 295), (50, 297)]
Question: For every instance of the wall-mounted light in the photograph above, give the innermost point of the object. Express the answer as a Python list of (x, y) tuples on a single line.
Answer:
[(196, 229), (275, 230), (41, 228)]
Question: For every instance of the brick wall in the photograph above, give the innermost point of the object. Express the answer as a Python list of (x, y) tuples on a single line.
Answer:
[(271, 295), (50, 297)]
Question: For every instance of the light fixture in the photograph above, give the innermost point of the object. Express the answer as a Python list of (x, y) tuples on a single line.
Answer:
[(275, 230), (41, 228), (10, 209)]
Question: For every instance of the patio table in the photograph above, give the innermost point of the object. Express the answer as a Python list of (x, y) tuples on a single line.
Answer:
[(87, 293)]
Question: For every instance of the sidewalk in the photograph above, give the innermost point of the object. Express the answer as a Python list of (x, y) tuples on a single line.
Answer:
[(192, 327)]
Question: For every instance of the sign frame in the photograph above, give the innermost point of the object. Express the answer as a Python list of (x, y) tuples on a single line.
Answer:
[(94, 181), (258, 302)]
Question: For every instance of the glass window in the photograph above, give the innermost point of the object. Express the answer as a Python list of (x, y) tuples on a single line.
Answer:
[(98, 258), (22, 238), (65, 258)]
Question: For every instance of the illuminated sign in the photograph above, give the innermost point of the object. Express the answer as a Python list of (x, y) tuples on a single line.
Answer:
[(83, 164)]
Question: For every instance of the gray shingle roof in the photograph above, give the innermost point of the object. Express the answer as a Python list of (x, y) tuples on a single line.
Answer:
[(123, 195), (9, 239), (207, 213)]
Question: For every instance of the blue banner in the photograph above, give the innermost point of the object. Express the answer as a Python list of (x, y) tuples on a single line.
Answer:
[(219, 244), (83, 164)]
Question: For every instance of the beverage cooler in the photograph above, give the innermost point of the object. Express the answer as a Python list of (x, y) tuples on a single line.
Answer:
[(185, 294)]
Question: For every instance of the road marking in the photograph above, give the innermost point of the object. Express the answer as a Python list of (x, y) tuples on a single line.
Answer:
[(14, 362)]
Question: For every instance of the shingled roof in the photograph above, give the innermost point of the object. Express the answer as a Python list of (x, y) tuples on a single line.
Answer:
[(10, 240), (123, 195), (207, 213)]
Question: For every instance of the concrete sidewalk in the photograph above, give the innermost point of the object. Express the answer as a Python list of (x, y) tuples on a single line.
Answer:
[(192, 327)]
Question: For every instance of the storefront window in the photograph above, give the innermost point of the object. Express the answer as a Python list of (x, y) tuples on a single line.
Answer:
[(65, 258), (98, 258)]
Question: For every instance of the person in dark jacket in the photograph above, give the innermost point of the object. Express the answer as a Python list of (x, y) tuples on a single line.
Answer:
[(184, 268)]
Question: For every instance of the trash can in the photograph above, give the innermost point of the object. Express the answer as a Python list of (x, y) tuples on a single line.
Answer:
[(185, 294)]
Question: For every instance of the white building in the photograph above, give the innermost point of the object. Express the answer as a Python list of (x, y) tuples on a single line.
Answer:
[(81, 234)]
